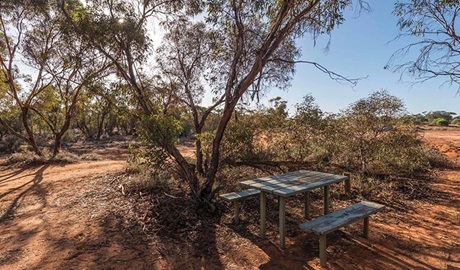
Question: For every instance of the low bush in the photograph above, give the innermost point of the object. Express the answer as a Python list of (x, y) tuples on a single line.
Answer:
[(440, 122), (456, 121), (10, 144), (27, 157), (373, 139), (148, 171)]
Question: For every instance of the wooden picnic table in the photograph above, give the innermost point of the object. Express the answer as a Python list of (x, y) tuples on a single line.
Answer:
[(288, 184)]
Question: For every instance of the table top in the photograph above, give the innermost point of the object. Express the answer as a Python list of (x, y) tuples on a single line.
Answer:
[(291, 183)]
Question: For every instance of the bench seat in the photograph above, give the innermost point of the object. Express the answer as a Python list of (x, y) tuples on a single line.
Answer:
[(338, 219), (238, 196)]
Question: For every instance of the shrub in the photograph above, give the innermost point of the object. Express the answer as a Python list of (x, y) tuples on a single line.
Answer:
[(372, 137), (440, 122), (10, 144), (66, 157), (25, 157), (456, 121), (147, 172)]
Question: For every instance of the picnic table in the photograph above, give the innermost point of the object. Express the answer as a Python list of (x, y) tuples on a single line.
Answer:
[(289, 184)]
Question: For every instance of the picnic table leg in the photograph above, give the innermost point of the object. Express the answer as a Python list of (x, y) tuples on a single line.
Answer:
[(282, 213), (263, 212), (322, 250), (326, 199), (366, 227), (306, 213), (236, 217), (347, 183)]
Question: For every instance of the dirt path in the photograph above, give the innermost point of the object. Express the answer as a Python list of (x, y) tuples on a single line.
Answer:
[(39, 210), (76, 217)]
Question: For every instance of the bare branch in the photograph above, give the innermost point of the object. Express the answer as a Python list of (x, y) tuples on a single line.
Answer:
[(333, 75)]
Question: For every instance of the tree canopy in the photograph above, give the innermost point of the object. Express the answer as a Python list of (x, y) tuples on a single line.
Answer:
[(435, 24)]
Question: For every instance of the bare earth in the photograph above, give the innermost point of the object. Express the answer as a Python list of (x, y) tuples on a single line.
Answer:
[(79, 216)]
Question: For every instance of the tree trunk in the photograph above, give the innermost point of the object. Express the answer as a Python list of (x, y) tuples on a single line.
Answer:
[(30, 135), (199, 157), (57, 145), (206, 191), (101, 126), (58, 136), (186, 168)]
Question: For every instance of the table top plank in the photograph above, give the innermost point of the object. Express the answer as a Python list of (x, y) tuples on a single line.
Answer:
[(291, 183)]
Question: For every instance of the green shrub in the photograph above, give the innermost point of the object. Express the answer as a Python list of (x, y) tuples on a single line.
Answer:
[(26, 157), (372, 137), (440, 122), (147, 172), (456, 121)]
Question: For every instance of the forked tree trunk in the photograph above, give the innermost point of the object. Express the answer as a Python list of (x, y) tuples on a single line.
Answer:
[(58, 136), (30, 135)]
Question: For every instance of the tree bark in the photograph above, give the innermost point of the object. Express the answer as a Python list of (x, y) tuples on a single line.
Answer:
[(30, 134)]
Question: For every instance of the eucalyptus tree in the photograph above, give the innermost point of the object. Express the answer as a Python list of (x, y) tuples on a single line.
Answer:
[(245, 48), (435, 25), (103, 107), (92, 112), (184, 60), (256, 49), (45, 68)]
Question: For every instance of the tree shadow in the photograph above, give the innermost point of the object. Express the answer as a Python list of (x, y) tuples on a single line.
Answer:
[(33, 186), (188, 229), (8, 177)]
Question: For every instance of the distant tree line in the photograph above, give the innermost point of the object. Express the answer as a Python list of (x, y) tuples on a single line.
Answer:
[(436, 118)]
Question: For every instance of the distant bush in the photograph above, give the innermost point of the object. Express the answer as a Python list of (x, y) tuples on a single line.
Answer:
[(440, 122), (437, 159), (456, 121)]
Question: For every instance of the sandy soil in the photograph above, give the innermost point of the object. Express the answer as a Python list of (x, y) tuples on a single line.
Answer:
[(80, 216)]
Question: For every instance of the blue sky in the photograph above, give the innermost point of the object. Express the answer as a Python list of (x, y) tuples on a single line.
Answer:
[(361, 47)]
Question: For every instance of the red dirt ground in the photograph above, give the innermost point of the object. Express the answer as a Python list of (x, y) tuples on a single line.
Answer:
[(80, 216)]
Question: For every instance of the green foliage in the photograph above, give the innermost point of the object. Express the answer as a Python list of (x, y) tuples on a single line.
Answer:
[(25, 157), (238, 144), (158, 133), (161, 130), (369, 131), (372, 137), (149, 169), (419, 119), (434, 118), (433, 115), (440, 122), (455, 121), (432, 23), (121, 26)]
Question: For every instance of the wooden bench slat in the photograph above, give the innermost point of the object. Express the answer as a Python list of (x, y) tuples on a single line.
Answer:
[(240, 195), (341, 218)]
